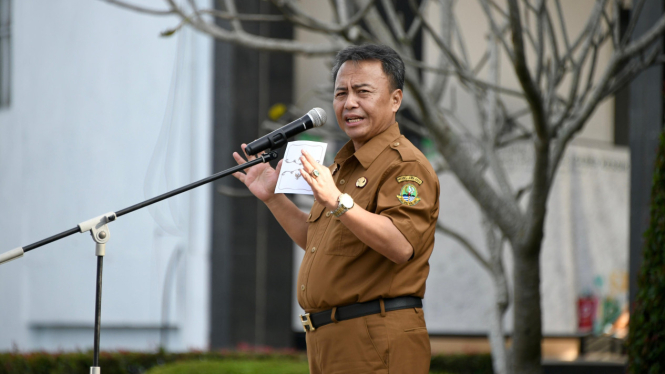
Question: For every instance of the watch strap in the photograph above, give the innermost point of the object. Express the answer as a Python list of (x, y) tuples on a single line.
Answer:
[(339, 211)]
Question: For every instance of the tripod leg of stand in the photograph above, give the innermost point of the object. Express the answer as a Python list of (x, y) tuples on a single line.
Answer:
[(95, 369)]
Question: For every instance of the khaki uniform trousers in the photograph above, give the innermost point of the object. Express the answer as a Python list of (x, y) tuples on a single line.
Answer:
[(395, 343)]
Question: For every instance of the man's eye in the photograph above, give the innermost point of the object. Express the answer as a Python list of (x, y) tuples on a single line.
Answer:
[(340, 94)]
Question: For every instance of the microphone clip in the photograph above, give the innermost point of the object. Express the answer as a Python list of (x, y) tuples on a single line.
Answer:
[(269, 156)]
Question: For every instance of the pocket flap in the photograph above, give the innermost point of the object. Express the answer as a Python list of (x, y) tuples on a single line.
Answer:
[(316, 212)]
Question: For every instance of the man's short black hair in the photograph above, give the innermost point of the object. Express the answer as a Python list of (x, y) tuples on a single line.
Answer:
[(393, 66)]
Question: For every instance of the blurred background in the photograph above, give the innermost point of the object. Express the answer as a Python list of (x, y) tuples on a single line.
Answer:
[(102, 107)]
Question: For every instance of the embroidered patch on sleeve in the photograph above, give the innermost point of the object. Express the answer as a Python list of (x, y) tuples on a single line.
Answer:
[(409, 178), (408, 195)]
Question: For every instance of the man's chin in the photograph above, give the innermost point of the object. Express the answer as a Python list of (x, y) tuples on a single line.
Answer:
[(356, 134)]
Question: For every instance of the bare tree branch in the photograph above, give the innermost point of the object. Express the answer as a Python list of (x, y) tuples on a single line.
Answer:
[(578, 65), (481, 63), (461, 162), (590, 26), (502, 143), (461, 43), (243, 17), (393, 20), (645, 41), (294, 13), (417, 22), (602, 88), (258, 42), (140, 9), (616, 5), (195, 9), (531, 91), (637, 10), (465, 243), (562, 25), (592, 69), (235, 23), (459, 69), (601, 91), (540, 51), (630, 72), (495, 29), (381, 32), (492, 119), (465, 78), (554, 46), (441, 81), (496, 7), (342, 11)]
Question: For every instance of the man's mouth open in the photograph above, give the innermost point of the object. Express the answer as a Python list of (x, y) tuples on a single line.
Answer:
[(351, 121)]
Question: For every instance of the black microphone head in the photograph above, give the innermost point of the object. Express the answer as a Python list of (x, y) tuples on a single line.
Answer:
[(318, 116)]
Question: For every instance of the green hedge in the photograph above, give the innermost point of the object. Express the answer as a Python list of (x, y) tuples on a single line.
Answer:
[(122, 362), (646, 341), (139, 362), (273, 366), (462, 364)]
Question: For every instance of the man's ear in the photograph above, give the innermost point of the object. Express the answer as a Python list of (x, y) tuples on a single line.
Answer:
[(396, 98)]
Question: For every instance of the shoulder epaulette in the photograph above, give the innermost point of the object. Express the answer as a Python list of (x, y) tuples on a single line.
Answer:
[(405, 149)]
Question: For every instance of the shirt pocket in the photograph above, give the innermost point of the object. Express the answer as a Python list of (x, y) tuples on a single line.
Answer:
[(342, 241), (314, 222)]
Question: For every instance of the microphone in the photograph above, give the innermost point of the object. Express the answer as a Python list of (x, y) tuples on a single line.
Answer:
[(276, 139)]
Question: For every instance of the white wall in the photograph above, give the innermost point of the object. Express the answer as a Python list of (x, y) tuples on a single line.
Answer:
[(104, 114)]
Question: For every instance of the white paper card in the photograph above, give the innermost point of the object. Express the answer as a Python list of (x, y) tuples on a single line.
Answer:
[(290, 180)]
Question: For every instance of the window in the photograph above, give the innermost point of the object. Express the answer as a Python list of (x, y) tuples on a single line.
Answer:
[(5, 50)]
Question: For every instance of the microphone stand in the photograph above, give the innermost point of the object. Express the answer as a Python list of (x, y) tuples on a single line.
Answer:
[(100, 233)]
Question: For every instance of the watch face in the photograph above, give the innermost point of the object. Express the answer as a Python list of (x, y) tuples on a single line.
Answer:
[(346, 201)]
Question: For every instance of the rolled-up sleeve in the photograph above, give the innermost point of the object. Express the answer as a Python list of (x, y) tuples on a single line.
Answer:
[(408, 196)]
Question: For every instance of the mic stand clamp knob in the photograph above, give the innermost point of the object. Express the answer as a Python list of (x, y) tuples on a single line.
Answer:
[(99, 231)]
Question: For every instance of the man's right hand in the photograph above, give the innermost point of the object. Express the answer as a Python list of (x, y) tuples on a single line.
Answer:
[(261, 179)]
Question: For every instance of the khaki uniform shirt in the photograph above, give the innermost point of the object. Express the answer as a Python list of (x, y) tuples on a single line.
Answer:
[(389, 176)]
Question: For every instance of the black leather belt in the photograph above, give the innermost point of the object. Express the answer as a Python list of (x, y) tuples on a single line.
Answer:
[(311, 322)]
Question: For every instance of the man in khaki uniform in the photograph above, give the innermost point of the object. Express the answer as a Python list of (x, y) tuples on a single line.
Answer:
[(370, 233)]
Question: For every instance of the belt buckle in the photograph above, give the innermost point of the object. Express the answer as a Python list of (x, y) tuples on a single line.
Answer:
[(306, 321)]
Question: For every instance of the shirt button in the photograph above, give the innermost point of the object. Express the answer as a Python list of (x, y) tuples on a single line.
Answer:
[(396, 144), (327, 214), (302, 287), (313, 249), (342, 181)]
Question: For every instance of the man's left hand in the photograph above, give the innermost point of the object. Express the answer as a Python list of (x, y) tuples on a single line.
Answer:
[(323, 185)]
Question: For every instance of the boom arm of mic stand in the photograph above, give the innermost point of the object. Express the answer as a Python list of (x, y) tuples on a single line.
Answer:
[(11, 255), (18, 252)]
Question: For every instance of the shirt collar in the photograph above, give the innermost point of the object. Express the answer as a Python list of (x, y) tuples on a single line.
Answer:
[(370, 150)]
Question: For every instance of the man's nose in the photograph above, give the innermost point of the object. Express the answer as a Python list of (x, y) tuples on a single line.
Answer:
[(351, 102)]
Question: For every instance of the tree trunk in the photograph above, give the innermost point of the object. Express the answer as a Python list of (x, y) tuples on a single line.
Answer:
[(497, 339), (527, 333), (500, 361)]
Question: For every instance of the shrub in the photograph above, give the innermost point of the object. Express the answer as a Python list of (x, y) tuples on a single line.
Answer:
[(646, 341), (121, 362), (462, 364), (272, 366), (220, 362)]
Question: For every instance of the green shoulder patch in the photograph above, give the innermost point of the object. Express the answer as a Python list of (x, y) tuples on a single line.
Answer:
[(408, 195)]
